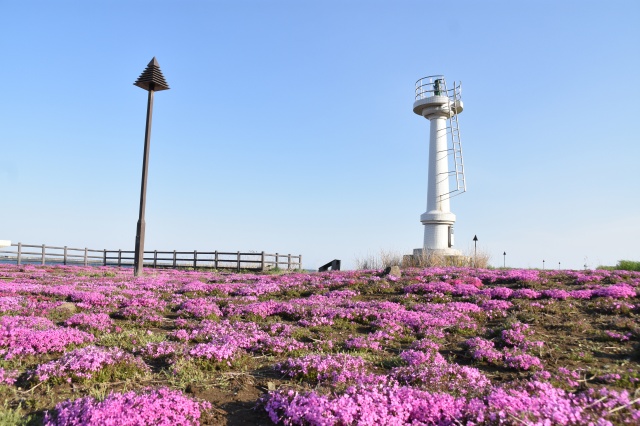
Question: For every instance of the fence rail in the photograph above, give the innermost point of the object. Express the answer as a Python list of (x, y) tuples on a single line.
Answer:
[(43, 255)]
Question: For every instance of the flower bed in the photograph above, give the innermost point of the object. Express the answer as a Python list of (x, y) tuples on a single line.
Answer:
[(443, 346)]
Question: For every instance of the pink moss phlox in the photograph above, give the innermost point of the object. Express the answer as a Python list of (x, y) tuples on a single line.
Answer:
[(87, 321), (616, 291), (555, 293), (483, 350), (218, 351), (334, 368), (161, 407), (367, 405), (536, 403), (618, 336), (497, 292), (438, 375), (201, 307), (8, 377), (517, 359), (20, 336), (359, 342), (12, 303), (496, 308), (83, 363), (526, 293), (161, 349), (516, 334)]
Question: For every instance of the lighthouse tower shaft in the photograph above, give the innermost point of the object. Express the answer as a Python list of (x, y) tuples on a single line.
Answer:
[(435, 103)]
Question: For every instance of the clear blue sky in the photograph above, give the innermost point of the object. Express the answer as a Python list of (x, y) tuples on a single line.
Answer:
[(289, 125)]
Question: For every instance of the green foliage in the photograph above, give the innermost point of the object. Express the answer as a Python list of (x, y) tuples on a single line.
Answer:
[(15, 416), (628, 265), (623, 265)]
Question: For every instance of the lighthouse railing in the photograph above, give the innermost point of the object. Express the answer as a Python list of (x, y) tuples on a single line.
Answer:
[(435, 85)]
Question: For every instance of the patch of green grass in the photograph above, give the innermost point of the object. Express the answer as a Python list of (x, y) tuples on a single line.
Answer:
[(14, 416), (129, 338)]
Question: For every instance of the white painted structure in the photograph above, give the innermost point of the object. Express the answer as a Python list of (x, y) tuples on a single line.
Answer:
[(5, 243), (441, 106)]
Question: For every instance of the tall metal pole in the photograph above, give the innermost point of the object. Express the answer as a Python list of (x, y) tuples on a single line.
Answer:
[(152, 81), (138, 259)]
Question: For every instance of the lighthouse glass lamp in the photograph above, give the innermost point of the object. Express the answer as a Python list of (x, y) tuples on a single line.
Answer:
[(440, 104)]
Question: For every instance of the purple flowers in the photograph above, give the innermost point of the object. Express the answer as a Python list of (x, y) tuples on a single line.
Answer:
[(435, 346), (338, 368), (20, 336), (162, 407), (84, 363), (100, 322)]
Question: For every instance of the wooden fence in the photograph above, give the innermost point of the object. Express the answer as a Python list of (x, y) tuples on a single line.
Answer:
[(43, 255)]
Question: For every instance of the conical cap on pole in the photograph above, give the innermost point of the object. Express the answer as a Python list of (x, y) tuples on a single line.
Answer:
[(152, 78)]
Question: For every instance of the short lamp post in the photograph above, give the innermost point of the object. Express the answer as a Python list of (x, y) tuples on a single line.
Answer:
[(475, 251), (543, 264), (152, 81), (504, 257)]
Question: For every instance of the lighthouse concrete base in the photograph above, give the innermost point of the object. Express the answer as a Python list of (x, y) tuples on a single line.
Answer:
[(426, 258), (437, 252)]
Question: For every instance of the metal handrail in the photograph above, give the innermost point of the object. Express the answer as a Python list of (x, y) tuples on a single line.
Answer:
[(427, 87)]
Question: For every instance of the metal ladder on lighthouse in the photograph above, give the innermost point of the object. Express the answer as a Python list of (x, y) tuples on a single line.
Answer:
[(455, 148)]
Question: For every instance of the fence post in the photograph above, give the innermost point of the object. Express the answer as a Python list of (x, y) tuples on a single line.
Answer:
[(276, 260), (43, 251), (238, 268), (119, 258), (19, 261), (216, 260), (174, 258), (64, 257), (262, 261), (155, 259), (300, 262), (104, 255), (289, 262), (195, 259), (85, 257)]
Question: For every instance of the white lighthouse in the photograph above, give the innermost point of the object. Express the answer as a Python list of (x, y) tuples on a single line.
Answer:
[(441, 105)]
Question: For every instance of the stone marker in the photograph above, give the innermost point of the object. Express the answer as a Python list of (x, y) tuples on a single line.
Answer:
[(68, 306)]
